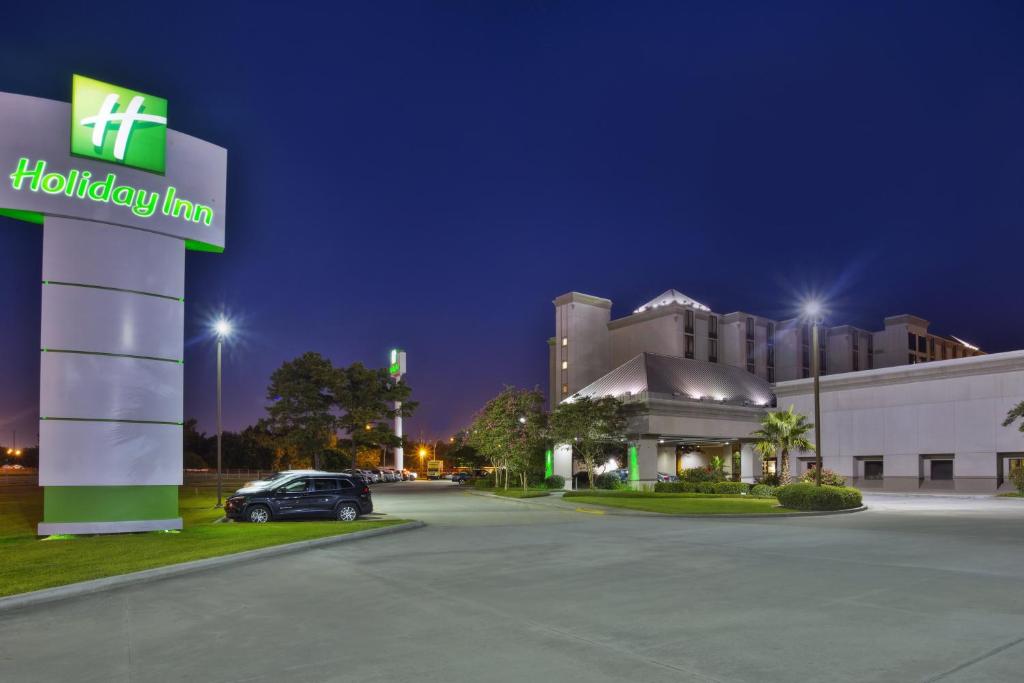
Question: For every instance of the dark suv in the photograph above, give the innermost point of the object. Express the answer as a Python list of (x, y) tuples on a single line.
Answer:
[(338, 496)]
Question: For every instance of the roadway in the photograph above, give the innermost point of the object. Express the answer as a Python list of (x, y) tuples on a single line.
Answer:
[(494, 590)]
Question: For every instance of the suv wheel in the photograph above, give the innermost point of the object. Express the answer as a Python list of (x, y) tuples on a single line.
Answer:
[(258, 514), (347, 512)]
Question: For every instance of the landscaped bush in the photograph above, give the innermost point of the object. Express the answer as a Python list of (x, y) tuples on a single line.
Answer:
[(1017, 478), (828, 478), (811, 497), (705, 487), (608, 480), (675, 487), (731, 487), (555, 481), (699, 474), (763, 490), (483, 483), (771, 480)]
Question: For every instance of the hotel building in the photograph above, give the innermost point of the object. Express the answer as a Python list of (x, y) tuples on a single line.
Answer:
[(895, 410)]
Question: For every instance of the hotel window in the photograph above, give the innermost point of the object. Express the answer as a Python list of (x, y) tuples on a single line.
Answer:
[(943, 350), (688, 318), (911, 359), (565, 365), (689, 346), (750, 328), (712, 327), (771, 375), (805, 351), (856, 352), (565, 341), (922, 345), (874, 470), (871, 352), (565, 389), (911, 341), (750, 356), (712, 350), (931, 348)]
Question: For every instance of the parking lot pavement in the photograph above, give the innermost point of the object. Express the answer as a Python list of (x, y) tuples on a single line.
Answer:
[(495, 590)]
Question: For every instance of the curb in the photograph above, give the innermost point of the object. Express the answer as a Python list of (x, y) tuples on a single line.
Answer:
[(74, 590), (611, 510), (483, 494)]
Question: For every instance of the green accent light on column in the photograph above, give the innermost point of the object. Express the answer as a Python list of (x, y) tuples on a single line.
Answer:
[(196, 245), (634, 467), (549, 463), (109, 503)]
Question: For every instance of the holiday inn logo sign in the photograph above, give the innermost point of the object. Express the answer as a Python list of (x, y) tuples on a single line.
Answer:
[(118, 125)]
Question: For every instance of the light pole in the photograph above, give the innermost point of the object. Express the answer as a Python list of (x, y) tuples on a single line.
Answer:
[(813, 312), (222, 328)]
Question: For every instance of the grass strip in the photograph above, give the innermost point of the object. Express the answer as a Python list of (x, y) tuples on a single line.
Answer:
[(28, 563)]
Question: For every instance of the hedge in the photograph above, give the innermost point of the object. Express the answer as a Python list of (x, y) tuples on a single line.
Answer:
[(733, 487), (483, 483), (555, 481), (811, 497), (608, 481), (763, 491)]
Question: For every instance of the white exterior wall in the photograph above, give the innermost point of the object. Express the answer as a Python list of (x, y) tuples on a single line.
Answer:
[(948, 407), (659, 334)]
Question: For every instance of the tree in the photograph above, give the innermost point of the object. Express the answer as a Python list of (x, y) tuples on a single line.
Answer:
[(300, 413), (509, 431), (589, 425), (782, 431), (1015, 413), (366, 397)]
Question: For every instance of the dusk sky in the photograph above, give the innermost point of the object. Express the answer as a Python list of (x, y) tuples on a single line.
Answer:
[(432, 175)]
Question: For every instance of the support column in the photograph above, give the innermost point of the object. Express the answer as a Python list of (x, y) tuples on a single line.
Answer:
[(111, 378), (643, 462), (562, 463), (400, 450), (750, 463)]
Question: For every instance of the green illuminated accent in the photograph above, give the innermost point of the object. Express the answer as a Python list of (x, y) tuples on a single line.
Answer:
[(118, 125), (115, 355), (549, 463), (19, 215), (112, 289), (108, 419), (77, 184), (60, 537), (196, 245), (109, 503), (634, 466)]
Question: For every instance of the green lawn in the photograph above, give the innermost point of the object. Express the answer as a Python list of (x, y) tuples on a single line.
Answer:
[(1011, 494), (679, 503), (518, 493), (28, 563)]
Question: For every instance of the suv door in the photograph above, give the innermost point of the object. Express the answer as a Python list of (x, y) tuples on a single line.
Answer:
[(326, 494), (289, 498)]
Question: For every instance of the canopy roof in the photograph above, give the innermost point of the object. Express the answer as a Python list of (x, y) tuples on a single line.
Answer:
[(651, 375)]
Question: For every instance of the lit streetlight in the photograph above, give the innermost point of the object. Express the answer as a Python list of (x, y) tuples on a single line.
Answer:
[(221, 328), (814, 313)]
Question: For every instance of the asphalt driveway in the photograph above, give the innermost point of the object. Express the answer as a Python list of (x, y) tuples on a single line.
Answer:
[(496, 590)]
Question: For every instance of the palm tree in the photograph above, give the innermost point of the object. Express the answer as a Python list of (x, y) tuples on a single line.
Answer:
[(780, 432)]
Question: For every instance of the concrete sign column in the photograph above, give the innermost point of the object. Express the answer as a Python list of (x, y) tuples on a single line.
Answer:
[(110, 392)]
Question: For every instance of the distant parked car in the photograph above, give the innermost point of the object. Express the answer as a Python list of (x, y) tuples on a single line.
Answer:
[(662, 476), (339, 496), (283, 473), (409, 475), (461, 477)]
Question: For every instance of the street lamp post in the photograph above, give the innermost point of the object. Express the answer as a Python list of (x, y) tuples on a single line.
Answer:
[(814, 312), (222, 328)]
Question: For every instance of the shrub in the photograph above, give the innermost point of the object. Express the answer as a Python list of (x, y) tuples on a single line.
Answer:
[(1017, 477), (771, 480), (555, 481), (608, 480), (811, 497), (763, 491), (705, 487), (675, 487), (828, 478), (731, 487), (699, 474), (483, 483)]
